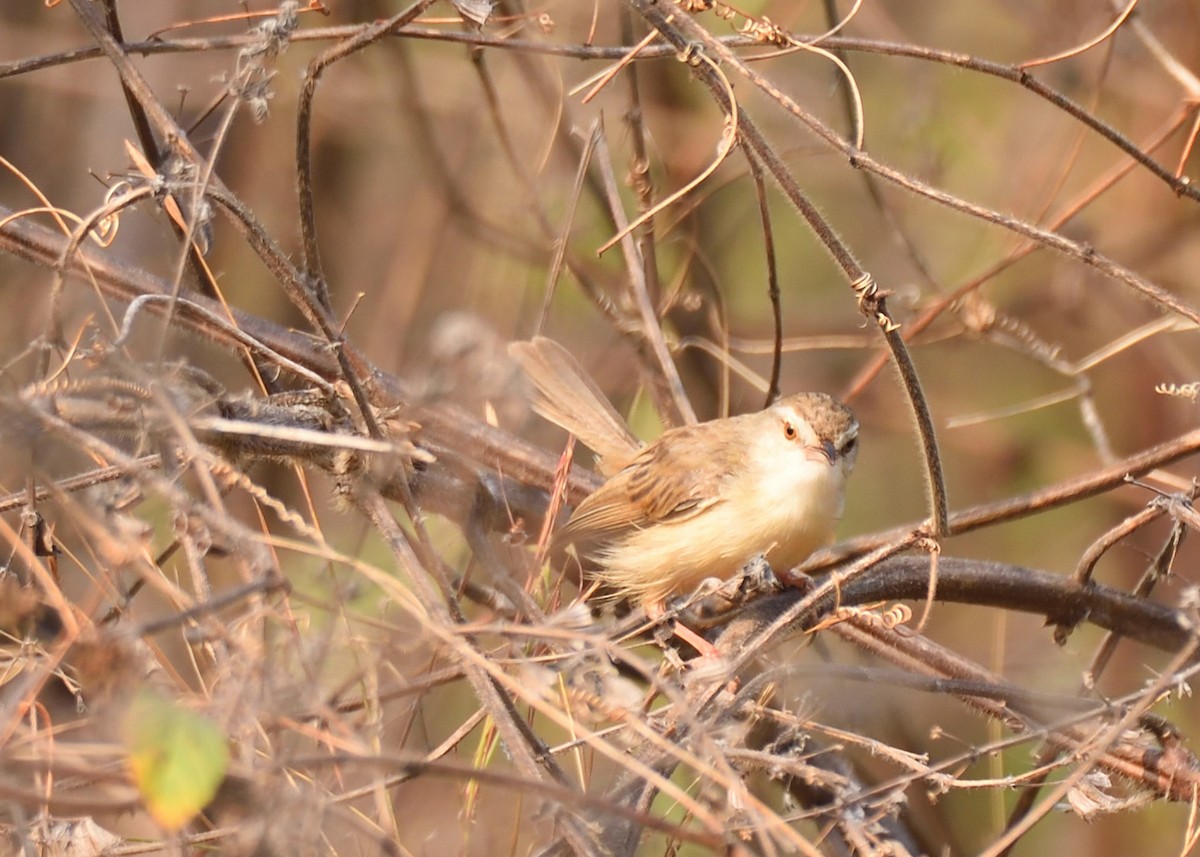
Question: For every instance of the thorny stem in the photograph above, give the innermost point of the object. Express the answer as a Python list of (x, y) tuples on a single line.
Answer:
[(361, 38)]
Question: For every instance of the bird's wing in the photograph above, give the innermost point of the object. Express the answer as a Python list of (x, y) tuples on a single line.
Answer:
[(674, 478)]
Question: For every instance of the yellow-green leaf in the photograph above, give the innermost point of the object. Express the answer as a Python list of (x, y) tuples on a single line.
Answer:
[(177, 757)]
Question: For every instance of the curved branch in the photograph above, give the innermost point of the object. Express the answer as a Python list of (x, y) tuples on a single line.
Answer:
[(1012, 508)]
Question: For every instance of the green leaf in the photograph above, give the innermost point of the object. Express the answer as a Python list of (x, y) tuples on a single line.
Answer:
[(177, 757)]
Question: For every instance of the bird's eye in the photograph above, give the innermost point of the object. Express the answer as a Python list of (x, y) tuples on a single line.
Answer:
[(849, 445), (789, 431)]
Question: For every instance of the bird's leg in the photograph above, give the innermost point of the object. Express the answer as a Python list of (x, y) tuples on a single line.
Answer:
[(756, 578), (656, 610)]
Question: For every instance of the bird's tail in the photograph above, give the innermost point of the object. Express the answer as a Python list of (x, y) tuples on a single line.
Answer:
[(571, 400)]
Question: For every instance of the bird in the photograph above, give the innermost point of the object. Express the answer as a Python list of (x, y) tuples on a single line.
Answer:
[(701, 500)]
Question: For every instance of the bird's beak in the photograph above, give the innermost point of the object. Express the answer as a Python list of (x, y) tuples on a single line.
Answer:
[(825, 453)]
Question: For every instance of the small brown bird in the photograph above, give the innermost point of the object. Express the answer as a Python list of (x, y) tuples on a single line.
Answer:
[(702, 500)]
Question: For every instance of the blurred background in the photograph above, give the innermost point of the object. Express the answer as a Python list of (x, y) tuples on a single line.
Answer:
[(445, 170)]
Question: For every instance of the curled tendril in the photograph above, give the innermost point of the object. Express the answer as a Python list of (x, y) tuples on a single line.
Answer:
[(692, 54), (869, 299), (767, 32), (870, 614), (1184, 391), (865, 289)]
